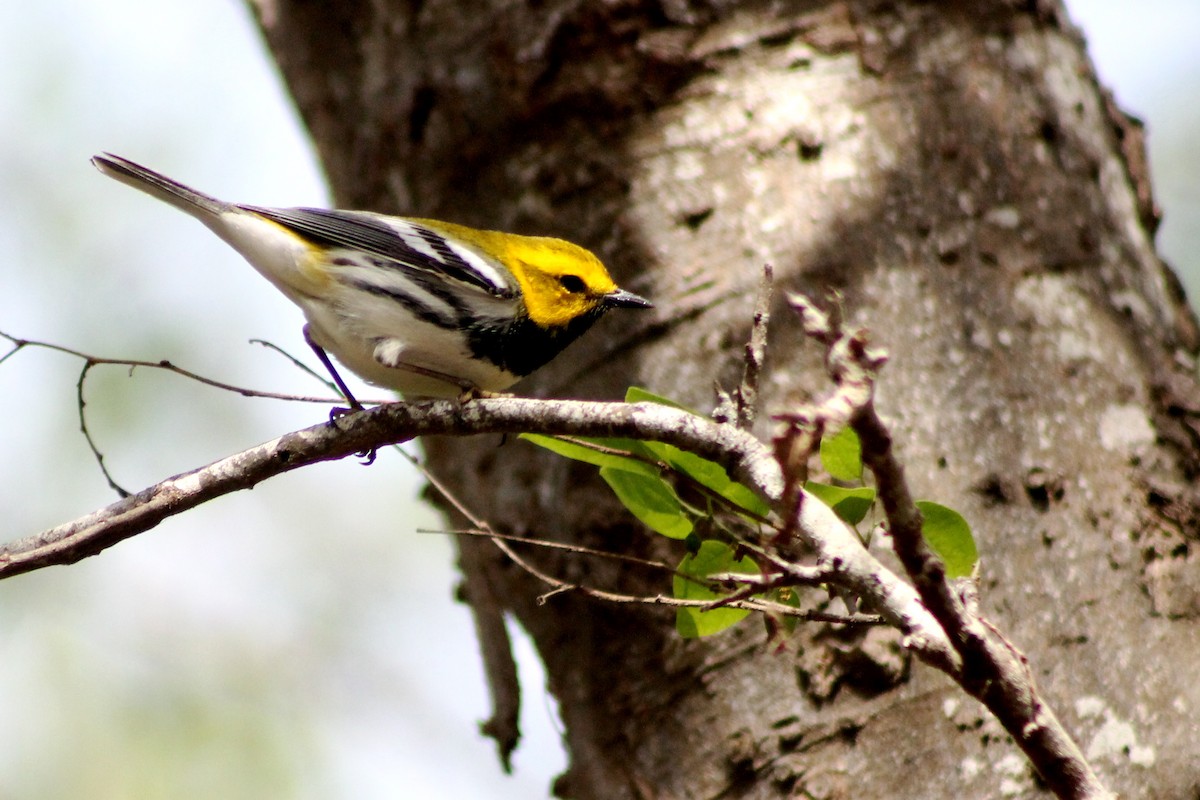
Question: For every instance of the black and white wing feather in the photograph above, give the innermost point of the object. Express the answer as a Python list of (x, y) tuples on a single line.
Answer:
[(404, 243)]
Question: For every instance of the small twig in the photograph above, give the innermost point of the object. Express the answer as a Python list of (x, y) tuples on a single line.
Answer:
[(852, 364), (741, 407), (87, 433), (750, 584), (797, 576), (559, 586), (746, 394), (298, 364), (570, 548), (91, 361), (17, 346), (736, 600), (165, 365)]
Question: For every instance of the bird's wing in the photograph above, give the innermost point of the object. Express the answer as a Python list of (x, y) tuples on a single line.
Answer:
[(402, 242)]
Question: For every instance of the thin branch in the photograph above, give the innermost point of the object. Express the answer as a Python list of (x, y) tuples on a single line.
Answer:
[(755, 584), (81, 405), (298, 364), (92, 361), (17, 346), (131, 363), (797, 576), (576, 549), (746, 395), (741, 406), (851, 361), (559, 586)]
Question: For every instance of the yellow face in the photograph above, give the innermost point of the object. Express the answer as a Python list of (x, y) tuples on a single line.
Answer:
[(560, 281)]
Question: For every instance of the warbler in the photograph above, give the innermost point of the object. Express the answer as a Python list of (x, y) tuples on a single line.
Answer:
[(422, 307)]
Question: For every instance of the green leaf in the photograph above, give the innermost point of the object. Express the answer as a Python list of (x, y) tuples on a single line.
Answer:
[(651, 500), (710, 475), (949, 535), (636, 394), (633, 456), (590, 455), (851, 505), (841, 455), (712, 557), (742, 497)]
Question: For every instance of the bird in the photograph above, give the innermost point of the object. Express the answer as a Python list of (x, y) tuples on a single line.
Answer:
[(422, 307)]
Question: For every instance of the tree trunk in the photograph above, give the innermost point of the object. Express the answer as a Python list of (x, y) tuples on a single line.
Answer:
[(956, 171)]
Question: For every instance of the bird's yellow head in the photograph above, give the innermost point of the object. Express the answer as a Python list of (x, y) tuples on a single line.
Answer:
[(560, 281)]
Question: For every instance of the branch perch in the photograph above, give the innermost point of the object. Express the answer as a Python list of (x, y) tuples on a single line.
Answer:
[(393, 423), (745, 457)]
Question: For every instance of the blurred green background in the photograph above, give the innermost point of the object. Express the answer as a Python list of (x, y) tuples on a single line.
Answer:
[(300, 640)]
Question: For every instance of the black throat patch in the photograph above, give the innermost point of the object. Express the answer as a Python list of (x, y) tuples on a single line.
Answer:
[(520, 346)]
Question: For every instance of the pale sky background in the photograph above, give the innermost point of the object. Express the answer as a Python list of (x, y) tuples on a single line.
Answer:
[(300, 640)]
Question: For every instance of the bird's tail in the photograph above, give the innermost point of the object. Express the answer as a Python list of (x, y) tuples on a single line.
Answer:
[(154, 184)]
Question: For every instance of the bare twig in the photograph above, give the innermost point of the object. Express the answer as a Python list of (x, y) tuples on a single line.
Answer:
[(167, 366), (850, 360), (17, 346), (796, 575), (81, 405), (298, 364), (91, 361), (576, 549), (741, 406), (559, 586)]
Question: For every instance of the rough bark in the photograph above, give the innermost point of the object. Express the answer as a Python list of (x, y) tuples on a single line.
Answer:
[(958, 173)]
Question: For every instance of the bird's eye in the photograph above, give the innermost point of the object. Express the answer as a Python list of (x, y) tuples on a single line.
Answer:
[(572, 283)]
